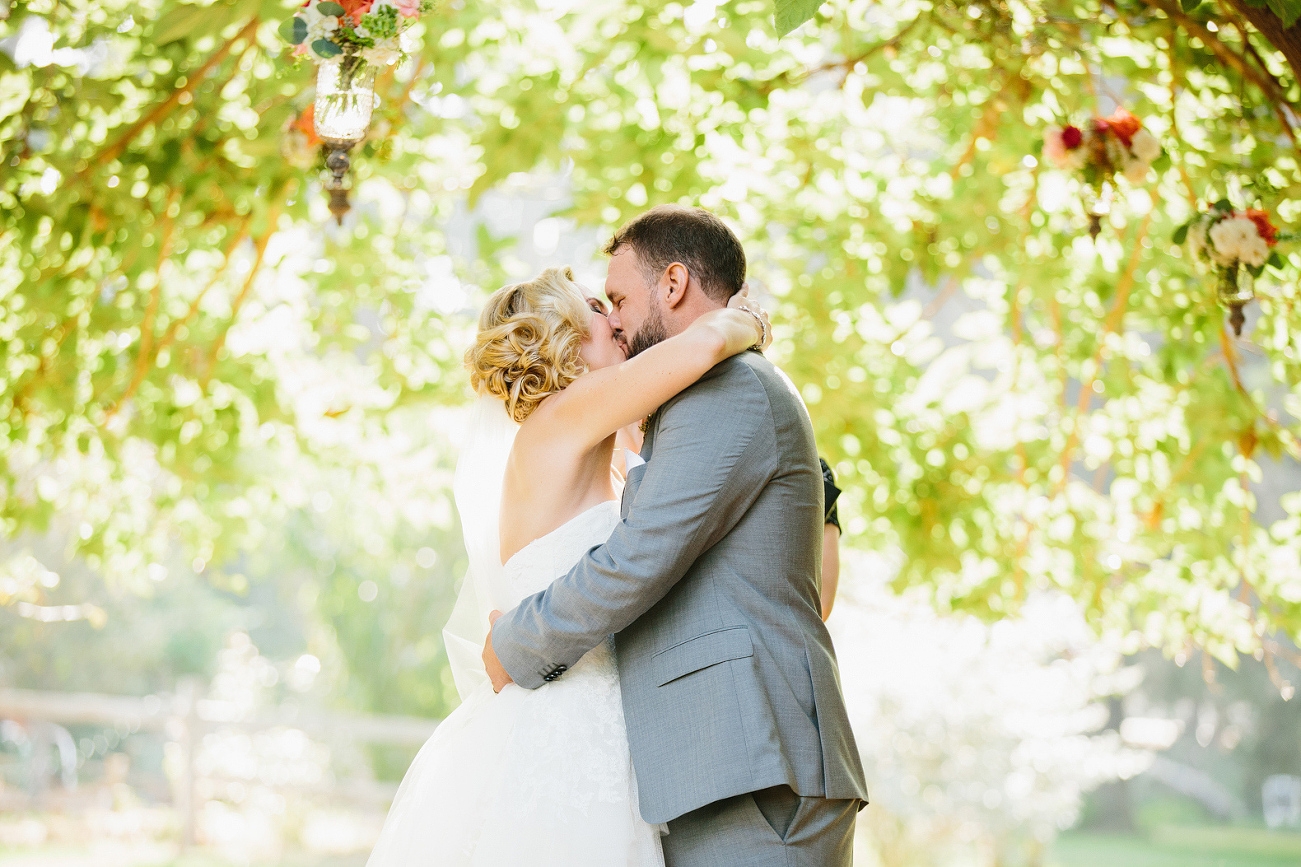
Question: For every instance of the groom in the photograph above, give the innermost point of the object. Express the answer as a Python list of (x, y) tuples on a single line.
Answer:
[(731, 692)]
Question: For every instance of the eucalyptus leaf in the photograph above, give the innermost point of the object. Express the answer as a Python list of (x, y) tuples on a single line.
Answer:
[(326, 48), (293, 31)]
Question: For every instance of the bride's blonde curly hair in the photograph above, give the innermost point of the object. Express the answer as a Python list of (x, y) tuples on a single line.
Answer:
[(529, 339)]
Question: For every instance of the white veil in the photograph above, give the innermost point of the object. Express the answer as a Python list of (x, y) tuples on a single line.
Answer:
[(480, 470)]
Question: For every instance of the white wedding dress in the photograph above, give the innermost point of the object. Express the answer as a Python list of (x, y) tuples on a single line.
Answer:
[(528, 777)]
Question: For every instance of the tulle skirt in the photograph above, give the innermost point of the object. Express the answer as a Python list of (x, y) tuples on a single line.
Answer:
[(525, 777)]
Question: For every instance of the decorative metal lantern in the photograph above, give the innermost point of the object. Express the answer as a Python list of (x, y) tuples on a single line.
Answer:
[(345, 100)]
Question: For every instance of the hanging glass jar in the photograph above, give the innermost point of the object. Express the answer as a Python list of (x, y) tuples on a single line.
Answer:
[(1236, 289), (345, 99)]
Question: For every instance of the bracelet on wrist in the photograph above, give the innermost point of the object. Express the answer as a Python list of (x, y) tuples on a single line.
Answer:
[(763, 328)]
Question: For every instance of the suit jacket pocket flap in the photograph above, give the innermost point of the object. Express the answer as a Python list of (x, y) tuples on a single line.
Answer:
[(701, 652)]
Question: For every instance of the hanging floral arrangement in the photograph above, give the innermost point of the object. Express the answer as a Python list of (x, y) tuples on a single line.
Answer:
[(369, 30), (1236, 246), (349, 40), (1099, 150)]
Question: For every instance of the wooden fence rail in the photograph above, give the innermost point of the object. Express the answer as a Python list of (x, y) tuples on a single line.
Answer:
[(183, 717)]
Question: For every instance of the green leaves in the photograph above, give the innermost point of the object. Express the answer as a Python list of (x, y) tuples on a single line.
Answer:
[(1287, 10), (1011, 404), (186, 21), (293, 31), (329, 8), (790, 14), (326, 48)]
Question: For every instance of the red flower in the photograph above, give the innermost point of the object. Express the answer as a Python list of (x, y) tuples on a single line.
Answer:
[(1122, 123), (1264, 227), (1072, 137)]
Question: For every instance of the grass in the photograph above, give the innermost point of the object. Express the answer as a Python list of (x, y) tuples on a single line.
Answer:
[(1175, 846)]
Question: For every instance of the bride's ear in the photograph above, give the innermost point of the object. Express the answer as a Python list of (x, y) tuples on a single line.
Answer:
[(673, 285)]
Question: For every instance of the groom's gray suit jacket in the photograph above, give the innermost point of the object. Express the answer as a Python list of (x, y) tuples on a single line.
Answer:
[(710, 586)]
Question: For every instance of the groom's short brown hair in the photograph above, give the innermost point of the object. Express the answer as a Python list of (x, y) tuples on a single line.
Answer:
[(692, 236)]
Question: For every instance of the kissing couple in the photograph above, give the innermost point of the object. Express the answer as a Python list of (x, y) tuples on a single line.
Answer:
[(661, 689)]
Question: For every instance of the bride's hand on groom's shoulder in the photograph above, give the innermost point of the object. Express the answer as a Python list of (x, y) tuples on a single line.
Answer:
[(496, 673), (742, 301)]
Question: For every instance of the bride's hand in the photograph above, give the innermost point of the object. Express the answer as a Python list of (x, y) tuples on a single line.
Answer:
[(742, 301), (734, 329)]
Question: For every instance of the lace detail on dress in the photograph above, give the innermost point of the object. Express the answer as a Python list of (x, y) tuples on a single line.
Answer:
[(594, 679), (540, 777)]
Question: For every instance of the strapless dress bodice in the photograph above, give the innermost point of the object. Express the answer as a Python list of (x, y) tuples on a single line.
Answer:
[(548, 557)]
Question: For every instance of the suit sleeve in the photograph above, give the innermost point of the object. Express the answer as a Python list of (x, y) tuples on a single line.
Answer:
[(714, 450)]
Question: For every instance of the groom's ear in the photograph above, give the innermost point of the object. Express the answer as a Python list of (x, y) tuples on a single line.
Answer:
[(673, 285)]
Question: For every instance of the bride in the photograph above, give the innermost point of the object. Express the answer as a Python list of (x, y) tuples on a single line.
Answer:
[(543, 777)]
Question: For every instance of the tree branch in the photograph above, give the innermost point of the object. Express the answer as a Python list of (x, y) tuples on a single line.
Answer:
[(146, 355), (260, 248), (170, 336), (1111, 326), (1268, 85), (155, 114), (1287, 40)]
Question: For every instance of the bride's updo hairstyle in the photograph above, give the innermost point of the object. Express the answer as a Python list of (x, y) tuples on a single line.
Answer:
[(529, 339)]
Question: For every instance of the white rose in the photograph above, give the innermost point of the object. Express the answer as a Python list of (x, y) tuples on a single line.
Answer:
[(318, 26), (384, 53), (1230, 239), (1145, 146), (1254, 251)]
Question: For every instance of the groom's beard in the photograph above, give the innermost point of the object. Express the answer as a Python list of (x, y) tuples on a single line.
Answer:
[(652, 331)]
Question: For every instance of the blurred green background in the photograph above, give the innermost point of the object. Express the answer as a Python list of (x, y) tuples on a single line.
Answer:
[(1072, 584)]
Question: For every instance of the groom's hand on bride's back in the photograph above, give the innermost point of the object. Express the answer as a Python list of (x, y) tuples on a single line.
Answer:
[(496, 673)]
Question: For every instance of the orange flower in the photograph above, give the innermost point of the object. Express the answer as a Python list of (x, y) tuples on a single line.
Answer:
[(306, 124), (1264, 227), (1124, 125), (354, 9)]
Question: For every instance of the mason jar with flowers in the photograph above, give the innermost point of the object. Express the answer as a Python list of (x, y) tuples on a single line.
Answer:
[(1099, 150), (350, 39), (1236, 246)]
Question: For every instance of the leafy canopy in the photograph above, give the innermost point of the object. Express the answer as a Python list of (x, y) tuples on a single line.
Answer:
[(1010, 405)]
